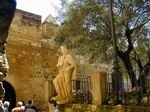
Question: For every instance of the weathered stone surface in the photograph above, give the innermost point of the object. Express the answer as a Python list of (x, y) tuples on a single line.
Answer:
[(104, 108), (32, 55), (99, 87), (32, 62)]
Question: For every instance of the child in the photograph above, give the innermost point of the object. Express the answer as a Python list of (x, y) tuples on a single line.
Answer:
[(52, 106)]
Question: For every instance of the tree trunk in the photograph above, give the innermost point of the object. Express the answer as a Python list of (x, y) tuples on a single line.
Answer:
[(127, 62), (143, 75)]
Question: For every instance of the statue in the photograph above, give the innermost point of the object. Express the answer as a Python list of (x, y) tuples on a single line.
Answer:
[(67, 72), (7, 10)]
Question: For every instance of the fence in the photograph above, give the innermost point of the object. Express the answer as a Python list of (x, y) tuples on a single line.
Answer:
[(128, 95), (82, 90)]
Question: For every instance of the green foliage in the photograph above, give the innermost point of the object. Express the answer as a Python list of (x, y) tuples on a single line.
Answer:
[(86, 27)]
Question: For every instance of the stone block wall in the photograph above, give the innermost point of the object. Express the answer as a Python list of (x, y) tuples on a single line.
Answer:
[(32, 59), (32, 55)]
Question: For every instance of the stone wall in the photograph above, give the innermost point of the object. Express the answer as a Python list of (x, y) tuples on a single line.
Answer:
[(32, 58), (32, 55)]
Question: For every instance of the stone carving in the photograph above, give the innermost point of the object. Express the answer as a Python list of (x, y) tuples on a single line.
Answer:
[(67, 72), (7, 10)]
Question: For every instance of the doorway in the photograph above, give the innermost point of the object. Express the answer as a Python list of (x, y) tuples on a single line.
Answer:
[(10, 94)]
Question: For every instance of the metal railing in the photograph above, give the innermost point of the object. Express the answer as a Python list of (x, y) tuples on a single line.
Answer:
[(82, 90), (129, 95)]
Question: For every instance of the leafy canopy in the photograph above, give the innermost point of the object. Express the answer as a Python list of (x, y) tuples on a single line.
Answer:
[(86, 26)]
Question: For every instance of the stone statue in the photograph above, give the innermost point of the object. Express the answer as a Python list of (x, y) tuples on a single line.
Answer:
[(67, 72), (7, 10)]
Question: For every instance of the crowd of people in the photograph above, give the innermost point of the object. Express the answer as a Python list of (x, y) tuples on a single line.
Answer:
[(29, 107), (20, 107)]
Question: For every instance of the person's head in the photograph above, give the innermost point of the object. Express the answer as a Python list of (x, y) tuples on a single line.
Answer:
[(19, 104), (23, 103), (63, 50), (30, 102), (6, 104), (53, 103)]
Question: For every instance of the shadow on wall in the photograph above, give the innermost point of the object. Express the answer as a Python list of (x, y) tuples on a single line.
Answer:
[(10, 94)]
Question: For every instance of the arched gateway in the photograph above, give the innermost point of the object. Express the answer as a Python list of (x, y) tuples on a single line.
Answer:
[(10, 94)]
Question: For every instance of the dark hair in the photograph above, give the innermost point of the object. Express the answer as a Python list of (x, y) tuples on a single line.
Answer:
[(30, 102), (23, 103), (52, 102)]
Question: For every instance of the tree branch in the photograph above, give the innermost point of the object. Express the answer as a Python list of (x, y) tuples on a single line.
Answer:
[(139, 18), (139, 8), (139, 26), (128, 36), (121, 3)]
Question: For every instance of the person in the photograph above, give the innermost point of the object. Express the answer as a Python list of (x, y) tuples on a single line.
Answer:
[(2, 92), (7, 11), (6, 106), (23, 104), (18, 108), (30, 107), (53, 106), (1, 106), (30, 110), (30, 102), (67, 72)]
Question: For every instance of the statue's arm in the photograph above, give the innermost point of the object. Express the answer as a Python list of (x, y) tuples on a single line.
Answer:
[(71, 69), (70, 62)]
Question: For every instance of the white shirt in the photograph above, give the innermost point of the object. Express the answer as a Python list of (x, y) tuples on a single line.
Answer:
[(54, 110)]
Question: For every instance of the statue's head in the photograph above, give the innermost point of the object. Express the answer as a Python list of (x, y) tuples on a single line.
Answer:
[(63, 50)]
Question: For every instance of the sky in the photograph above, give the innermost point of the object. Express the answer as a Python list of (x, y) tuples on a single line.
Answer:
[(40, 7)]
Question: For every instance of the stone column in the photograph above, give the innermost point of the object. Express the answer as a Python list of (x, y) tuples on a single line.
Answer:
[(99, 87)]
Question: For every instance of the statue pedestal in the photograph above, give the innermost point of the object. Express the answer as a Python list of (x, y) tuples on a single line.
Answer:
[(99, 87), (64, 101)]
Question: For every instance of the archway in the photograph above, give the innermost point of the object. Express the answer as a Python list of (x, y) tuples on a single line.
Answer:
[(10, 94)]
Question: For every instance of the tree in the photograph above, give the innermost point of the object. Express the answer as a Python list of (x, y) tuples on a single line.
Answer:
[(86, 27)]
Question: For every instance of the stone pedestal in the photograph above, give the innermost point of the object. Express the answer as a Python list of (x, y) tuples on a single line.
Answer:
[(79, 108), (68, 110), (118, 109), (99, 87)]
